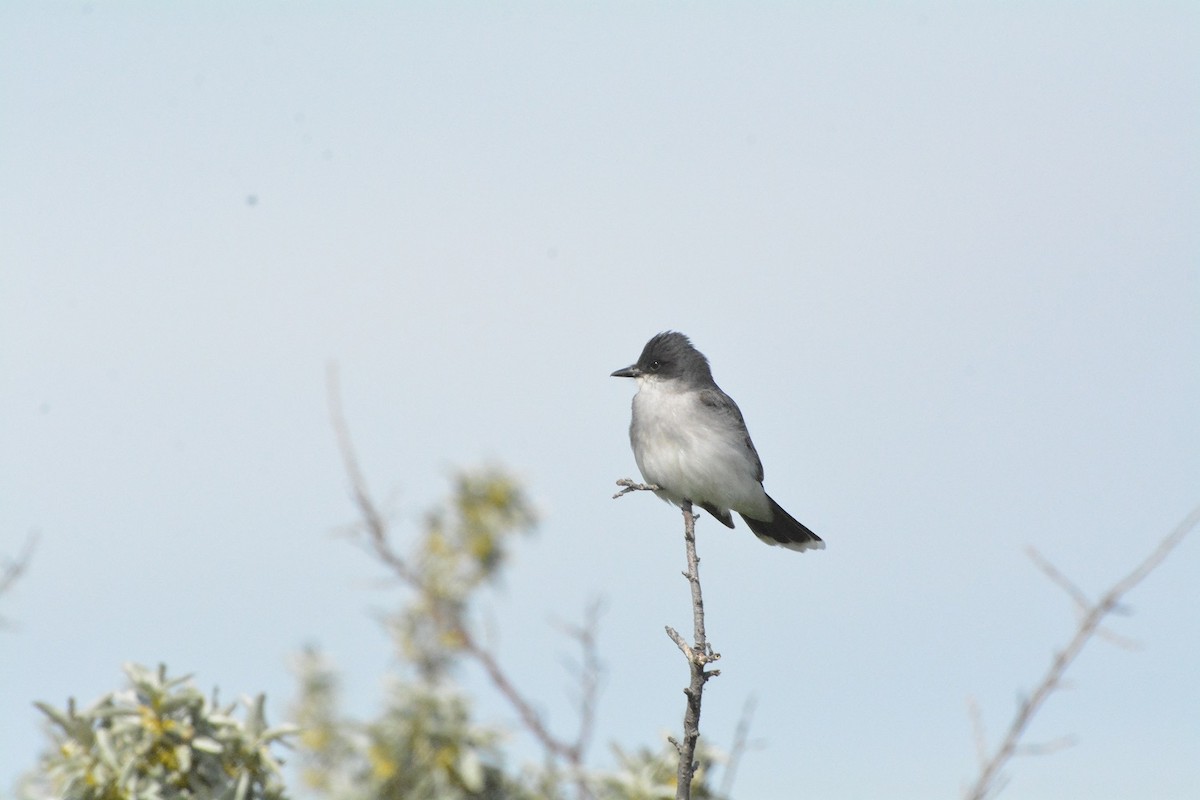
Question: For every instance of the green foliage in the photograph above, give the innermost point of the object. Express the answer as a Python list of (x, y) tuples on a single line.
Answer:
[(424, 743), (327, 745), (423, 746), (650, 775), (462, 547), (161, 738)]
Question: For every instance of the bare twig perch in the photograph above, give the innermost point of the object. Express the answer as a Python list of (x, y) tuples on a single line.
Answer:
[(632, 486), (1091, 615), (699, 653)]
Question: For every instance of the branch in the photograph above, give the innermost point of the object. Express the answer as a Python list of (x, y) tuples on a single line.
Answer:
[(379, 544), (12, 569), (699, 654), (738, 748), (632, 486), (589, 674), (1089, 626)]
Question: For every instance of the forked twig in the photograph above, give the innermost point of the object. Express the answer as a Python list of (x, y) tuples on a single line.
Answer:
[(633, 486), (1092, 614)]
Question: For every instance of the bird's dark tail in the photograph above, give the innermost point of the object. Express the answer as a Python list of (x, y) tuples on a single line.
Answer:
[(783, 529)]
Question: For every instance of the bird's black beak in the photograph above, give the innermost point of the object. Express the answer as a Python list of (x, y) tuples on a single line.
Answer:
[(629, 372)]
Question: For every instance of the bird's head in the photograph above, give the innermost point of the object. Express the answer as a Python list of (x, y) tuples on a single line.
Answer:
[(668, 356)]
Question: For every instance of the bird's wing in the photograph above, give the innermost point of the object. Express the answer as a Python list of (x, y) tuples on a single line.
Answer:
[(722, 404)]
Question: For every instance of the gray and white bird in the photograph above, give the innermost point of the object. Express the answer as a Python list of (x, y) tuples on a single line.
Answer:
[(690, 440)]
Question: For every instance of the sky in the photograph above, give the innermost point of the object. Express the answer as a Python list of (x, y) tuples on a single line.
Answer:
[(944, 256)]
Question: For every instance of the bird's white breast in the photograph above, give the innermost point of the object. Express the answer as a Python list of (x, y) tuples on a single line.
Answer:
[(693, 451)]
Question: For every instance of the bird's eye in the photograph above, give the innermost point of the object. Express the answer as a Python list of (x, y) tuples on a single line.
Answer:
[(654, 365)]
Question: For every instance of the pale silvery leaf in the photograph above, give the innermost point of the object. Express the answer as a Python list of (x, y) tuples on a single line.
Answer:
[(470, 770), (206, 744)]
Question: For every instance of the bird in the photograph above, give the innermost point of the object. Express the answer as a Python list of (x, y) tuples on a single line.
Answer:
[(690, 440)]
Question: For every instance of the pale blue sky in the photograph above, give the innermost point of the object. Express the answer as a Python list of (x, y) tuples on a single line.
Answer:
[(945, 258)]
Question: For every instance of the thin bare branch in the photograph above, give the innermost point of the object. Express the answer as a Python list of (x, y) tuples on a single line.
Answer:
[(589, 669), (633, 486), (1082, 601), (12, 569), (681, 643), (1123, 642), (589, 677), (1154, 559), (699, 654), (738, 748), (378, 542), (988, 782), (373, 521), (979, 732), (1046, 748)]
